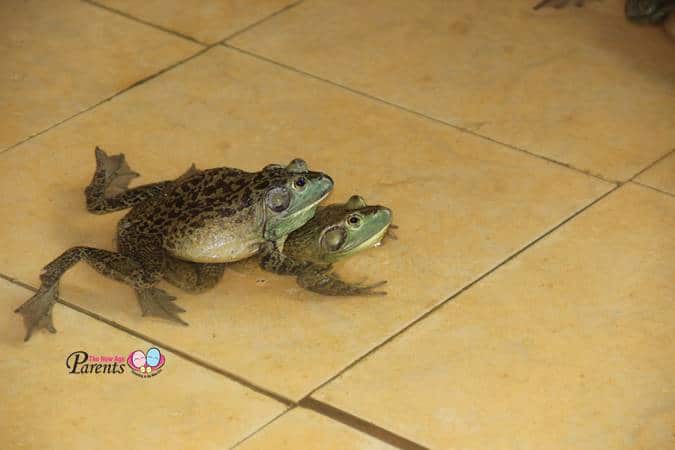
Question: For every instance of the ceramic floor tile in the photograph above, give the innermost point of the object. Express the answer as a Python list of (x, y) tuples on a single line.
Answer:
[(462, 205), (567, 346), (661, 176), (57, 61), (46, 406), (208, 21), (302, 428), (580, 85)]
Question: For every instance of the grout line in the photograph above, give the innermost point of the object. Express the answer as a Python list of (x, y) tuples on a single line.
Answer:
[(264, 19), (109, 98), (329, 411), (652, 188), (362, 425), (180, 353), (317, 406), (260, 428), (417, 113), (649, 166), (458, 293), (633, 179), (149, 77), (143, 21)]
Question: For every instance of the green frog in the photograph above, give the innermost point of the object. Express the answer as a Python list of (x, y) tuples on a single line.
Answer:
[(335, 232), (210, 217)]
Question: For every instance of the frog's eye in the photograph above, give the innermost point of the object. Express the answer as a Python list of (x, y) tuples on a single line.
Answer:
[(300, 183), (354, 221), (333, 239), (278, 199)]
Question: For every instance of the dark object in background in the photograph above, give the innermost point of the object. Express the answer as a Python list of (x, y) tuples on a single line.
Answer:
[(638, 11), (648, 11)]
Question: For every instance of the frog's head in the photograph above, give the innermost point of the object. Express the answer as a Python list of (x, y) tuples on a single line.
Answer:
[(339, 230), (292, 196), (650, 11)]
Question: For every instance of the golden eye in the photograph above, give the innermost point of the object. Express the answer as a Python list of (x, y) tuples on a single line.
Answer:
[(354, 221)]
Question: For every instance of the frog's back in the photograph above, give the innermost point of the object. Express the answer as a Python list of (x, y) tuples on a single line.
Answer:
[(213, 216)]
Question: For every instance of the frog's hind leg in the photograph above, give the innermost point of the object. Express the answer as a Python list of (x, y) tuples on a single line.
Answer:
[(109, 188), (37, 311), (310, 276), (192, 277)]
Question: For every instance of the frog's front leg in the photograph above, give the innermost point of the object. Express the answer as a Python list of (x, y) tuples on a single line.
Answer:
[(273, 260), (322, 281), (37, 311), (310, 276)]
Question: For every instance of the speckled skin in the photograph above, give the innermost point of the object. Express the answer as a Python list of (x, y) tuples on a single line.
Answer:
[(215, 216), (335, 232)]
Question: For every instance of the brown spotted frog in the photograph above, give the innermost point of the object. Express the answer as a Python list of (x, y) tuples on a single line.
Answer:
[(209, 217)]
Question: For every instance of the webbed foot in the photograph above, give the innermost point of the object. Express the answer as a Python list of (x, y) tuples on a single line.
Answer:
[(158, 303), (37, 311), (118, 174), (327, 283)]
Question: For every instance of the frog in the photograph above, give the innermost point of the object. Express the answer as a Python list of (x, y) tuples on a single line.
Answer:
[(335, 232), (210, 217)]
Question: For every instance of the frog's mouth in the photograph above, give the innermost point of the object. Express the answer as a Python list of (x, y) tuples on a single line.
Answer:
[(312, 207), (373, 241)]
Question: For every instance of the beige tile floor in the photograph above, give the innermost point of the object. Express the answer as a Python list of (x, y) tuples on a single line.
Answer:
[(302, 428), (207, 21), (580, 86), (45, 406), (661, 175), (567, 346), (58, 61), (559, 333)]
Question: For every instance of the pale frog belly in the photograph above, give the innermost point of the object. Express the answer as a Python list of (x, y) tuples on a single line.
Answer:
[(213, 244)]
